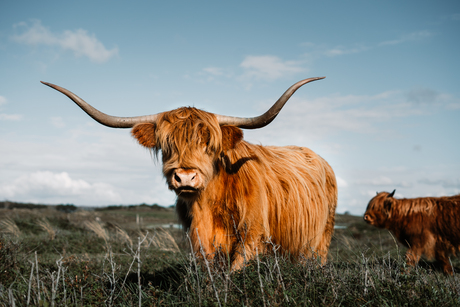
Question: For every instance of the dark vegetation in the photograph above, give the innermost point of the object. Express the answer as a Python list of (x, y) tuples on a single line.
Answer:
[(131, 255)]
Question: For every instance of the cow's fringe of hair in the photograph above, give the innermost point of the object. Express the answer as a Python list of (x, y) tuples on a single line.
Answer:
[(177, 131)]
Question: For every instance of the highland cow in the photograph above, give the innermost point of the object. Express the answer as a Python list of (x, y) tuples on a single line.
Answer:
[(233, 196), (426, 225)]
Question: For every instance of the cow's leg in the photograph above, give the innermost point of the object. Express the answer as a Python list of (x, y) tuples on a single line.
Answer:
[(247, 245), (321, 253), (442, 257), (323, 247), (325, 242), (244, 253), (413, 255), (208, 240), (207, 233), (201, 242)]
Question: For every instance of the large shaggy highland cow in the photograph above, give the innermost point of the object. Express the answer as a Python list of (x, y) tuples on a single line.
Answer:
[(234, 196), (428, 226)]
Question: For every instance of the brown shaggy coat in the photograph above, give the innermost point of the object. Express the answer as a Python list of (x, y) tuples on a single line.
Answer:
[(234, 196), (426, 225)]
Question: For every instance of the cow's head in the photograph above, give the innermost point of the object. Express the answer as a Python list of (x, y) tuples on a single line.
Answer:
[(191, 141), (378, 210)]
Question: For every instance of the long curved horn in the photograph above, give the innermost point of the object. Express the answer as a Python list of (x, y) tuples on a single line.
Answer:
[(267, 117), (102, 118), (128, 122)]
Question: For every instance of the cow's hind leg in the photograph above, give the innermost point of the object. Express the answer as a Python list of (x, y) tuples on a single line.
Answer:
[(323, 246), (442, 257)]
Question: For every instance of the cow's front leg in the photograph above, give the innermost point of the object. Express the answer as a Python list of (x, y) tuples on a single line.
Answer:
[(245, 249), (242, 255), (208, 241), (413, 256)]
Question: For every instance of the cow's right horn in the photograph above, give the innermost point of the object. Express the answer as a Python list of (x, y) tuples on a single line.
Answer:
[(267, 117)]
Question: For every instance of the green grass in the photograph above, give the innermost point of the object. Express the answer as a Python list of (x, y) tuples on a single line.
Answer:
[(153, 267)]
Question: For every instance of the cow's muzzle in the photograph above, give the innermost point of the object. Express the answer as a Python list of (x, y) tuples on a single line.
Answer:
[(367, 218), (185, 182)]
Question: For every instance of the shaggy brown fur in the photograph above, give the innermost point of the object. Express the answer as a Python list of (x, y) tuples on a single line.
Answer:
[(234, 196), (426, 225)]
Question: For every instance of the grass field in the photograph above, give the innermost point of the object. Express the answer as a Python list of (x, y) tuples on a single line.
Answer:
[(132, 256)]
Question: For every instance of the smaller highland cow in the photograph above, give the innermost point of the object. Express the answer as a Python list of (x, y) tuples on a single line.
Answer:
[(426, 225)]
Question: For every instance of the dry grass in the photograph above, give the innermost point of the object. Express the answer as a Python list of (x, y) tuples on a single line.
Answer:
[(46, 226), (97, 228), (164, 241), (123, 235), (100, 263), (8, 226)]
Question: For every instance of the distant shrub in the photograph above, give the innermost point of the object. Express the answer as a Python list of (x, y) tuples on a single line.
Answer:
[(145, 206), (131, 207), (108, 208), (67, 208), (15, 205)]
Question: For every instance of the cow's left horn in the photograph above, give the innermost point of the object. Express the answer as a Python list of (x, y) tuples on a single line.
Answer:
[(107, 120), (267, 117)]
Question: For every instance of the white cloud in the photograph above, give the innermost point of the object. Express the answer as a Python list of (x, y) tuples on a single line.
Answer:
[(415, 36), (422, 95), (216, 71), (10, 116), (4, 116), (427, 96), (381, 180), (78, 41), (49, 185), (268, 67), (333, 114), (446, 183), (271, 67), (340, 182), (318, 51), (384, 181), (341, 50), (211, 74), (101, 166), (363, 114)]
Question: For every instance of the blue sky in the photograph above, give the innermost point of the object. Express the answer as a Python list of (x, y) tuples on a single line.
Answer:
[(386, 117)]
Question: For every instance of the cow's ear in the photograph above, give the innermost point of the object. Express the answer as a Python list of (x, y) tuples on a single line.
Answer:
[(387, 204), (145, 134), (231, 136)]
